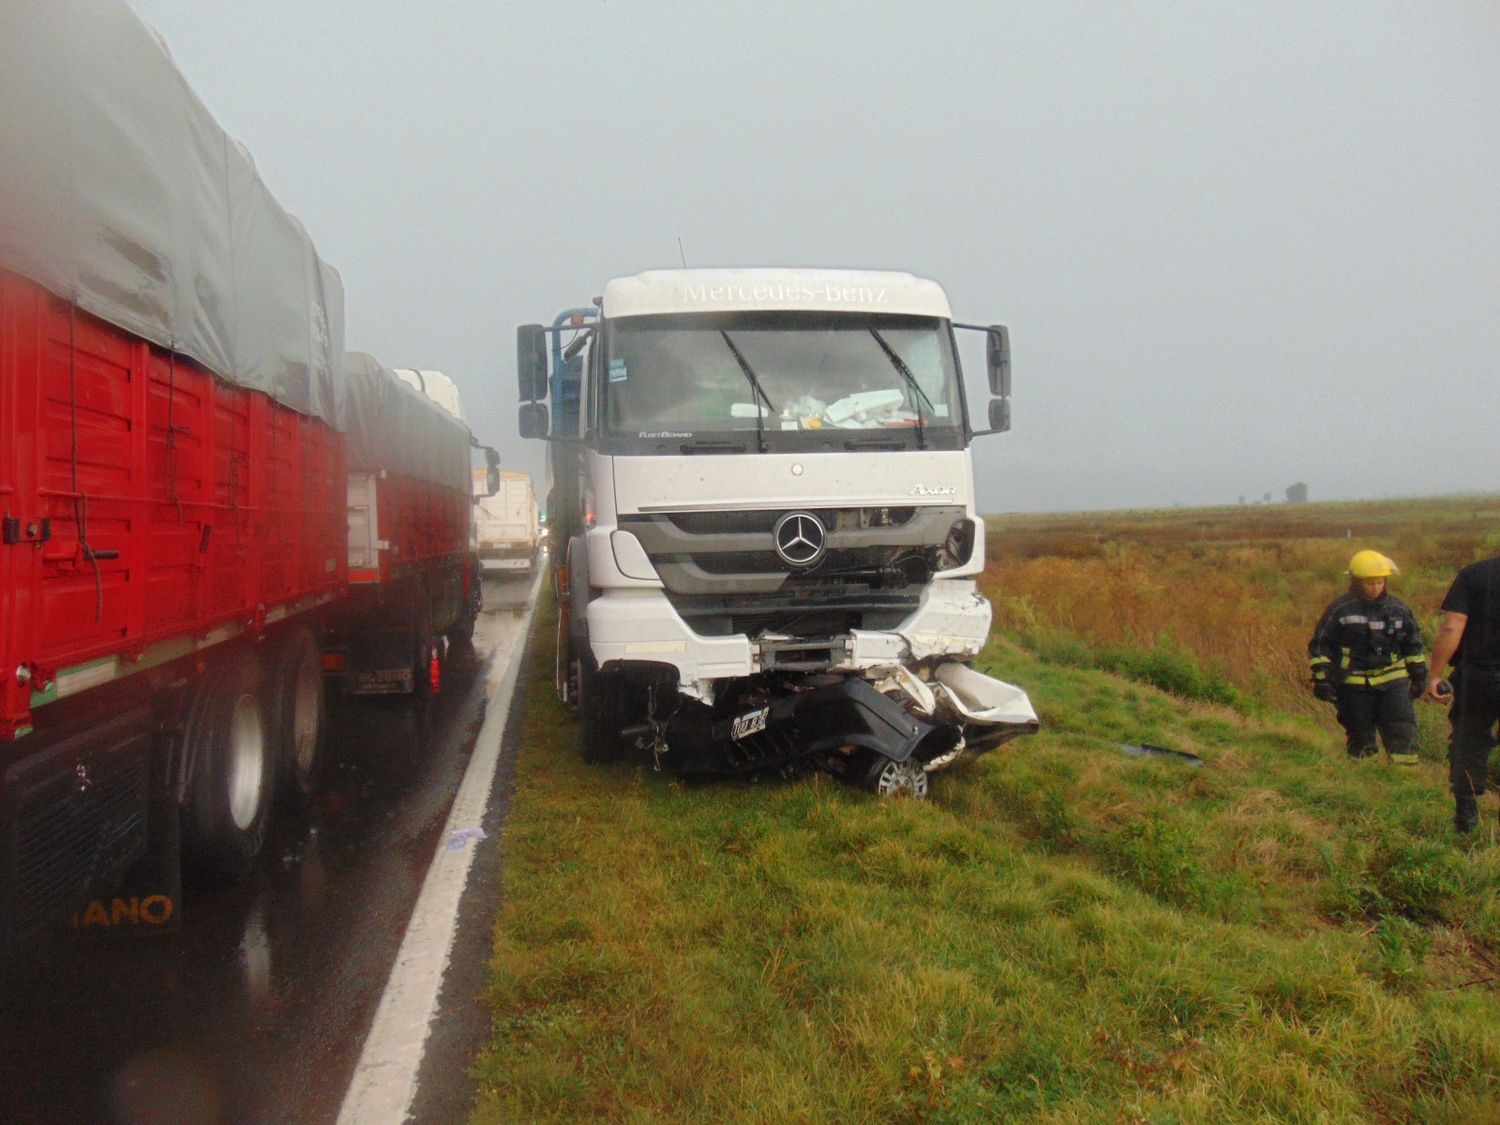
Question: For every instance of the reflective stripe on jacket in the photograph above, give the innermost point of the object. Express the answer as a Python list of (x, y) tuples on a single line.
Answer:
[(1366, 643)]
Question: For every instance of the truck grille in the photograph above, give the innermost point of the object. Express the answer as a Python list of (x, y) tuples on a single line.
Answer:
[(761, 522), (829, 615), (732, 554)]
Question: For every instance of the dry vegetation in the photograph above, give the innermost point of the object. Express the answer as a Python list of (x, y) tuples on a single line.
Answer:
[(1236, 588)]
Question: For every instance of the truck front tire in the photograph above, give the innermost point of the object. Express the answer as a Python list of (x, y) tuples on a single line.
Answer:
[(601, 712), (233, 771)]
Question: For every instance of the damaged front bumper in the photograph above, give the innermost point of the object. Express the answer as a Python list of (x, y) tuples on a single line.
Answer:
[(848, 724), (951, 620), (985, 711)]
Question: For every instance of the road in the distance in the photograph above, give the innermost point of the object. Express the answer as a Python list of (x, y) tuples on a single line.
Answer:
[(257, 1009)]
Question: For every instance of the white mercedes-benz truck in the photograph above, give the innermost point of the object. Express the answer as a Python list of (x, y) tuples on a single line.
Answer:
[(764, 502)]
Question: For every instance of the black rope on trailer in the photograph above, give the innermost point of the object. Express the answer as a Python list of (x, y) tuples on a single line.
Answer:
[(80, 502), (172, 429)]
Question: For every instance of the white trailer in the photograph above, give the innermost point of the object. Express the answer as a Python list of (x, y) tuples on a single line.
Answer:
[(506, 526)]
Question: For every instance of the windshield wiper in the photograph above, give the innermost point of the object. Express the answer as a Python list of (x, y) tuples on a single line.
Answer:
[(760, 430), (911, 381)]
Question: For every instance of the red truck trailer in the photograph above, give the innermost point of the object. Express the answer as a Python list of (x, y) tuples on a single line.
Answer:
[(413, 577), (175, 487)]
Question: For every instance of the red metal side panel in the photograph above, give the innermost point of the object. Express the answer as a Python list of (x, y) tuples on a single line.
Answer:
[(177, 503), (279, 499), (303, 502), (230, 469), (86, 475), (317, 512), (18, 346), (425, 524), (178, 404)]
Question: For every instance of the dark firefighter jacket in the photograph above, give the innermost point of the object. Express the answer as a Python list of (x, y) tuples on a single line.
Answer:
[(1365, 643)]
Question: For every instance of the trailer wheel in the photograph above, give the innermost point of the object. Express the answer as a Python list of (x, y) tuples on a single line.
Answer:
[(601, 712), (299, 716), (461, 633), (886, 778), (233, 772)]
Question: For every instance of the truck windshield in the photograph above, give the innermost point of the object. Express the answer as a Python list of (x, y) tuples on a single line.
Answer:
[(822, 377)]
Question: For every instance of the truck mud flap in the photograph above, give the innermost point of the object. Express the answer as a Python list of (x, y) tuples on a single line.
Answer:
[(89, 845)]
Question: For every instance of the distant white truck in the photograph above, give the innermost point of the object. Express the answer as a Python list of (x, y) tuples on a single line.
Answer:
[(506, 526)]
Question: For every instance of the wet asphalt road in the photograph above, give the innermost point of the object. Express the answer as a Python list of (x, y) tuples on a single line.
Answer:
[(256, 1010)]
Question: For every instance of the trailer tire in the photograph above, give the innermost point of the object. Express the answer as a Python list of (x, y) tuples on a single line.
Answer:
[(461, 633), (233, 774), (298, 716), (601, 712)]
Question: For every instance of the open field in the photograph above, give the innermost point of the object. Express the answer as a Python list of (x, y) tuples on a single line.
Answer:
[(1063, 932), (1237, 590)]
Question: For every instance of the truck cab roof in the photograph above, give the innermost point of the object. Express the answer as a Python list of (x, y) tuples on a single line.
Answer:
[(752, 290)]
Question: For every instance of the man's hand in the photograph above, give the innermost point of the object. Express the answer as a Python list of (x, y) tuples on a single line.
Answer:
[(1438, 691), (1325, 691)]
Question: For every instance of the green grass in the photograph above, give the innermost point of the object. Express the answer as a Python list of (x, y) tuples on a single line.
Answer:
[(1062, 933)]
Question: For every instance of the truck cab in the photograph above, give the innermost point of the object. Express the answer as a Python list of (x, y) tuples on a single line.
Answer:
[(775, 500)]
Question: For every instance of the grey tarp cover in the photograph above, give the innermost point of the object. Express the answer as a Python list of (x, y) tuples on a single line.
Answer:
[(392, 426), (119, 191)]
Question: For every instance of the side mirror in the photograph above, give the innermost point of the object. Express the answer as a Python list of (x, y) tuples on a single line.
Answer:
[(1000, 415), (534, 424), (531, 362), (997, 356), (491, 471)]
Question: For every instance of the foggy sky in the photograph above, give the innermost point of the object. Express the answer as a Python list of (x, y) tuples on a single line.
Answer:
[(1237, 245)]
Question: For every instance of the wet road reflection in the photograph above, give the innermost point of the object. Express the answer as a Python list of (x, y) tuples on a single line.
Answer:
[(256, 1009)]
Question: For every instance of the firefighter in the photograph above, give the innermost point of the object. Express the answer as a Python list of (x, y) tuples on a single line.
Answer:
[(1366, 657)]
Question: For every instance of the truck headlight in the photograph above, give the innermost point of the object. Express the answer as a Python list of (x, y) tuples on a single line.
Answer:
[(958, 546)]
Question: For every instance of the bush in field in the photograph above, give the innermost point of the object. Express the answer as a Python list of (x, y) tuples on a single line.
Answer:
[(1170, 666), (1160, 857), (1395, 874), (1164, 663)]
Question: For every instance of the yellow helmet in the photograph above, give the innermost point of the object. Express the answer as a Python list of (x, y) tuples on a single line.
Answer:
[(1372, 564)]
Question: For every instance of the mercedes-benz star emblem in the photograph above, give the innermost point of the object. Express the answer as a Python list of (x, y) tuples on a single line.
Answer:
[(800, 538)]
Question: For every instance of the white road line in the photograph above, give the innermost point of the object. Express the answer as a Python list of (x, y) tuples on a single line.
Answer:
[(385, 1078)]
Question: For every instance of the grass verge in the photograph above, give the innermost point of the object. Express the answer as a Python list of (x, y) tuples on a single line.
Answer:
[(1062, 933)]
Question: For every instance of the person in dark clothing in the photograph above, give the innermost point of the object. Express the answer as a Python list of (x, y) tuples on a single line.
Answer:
[(1469, 638), (1366, 657)]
